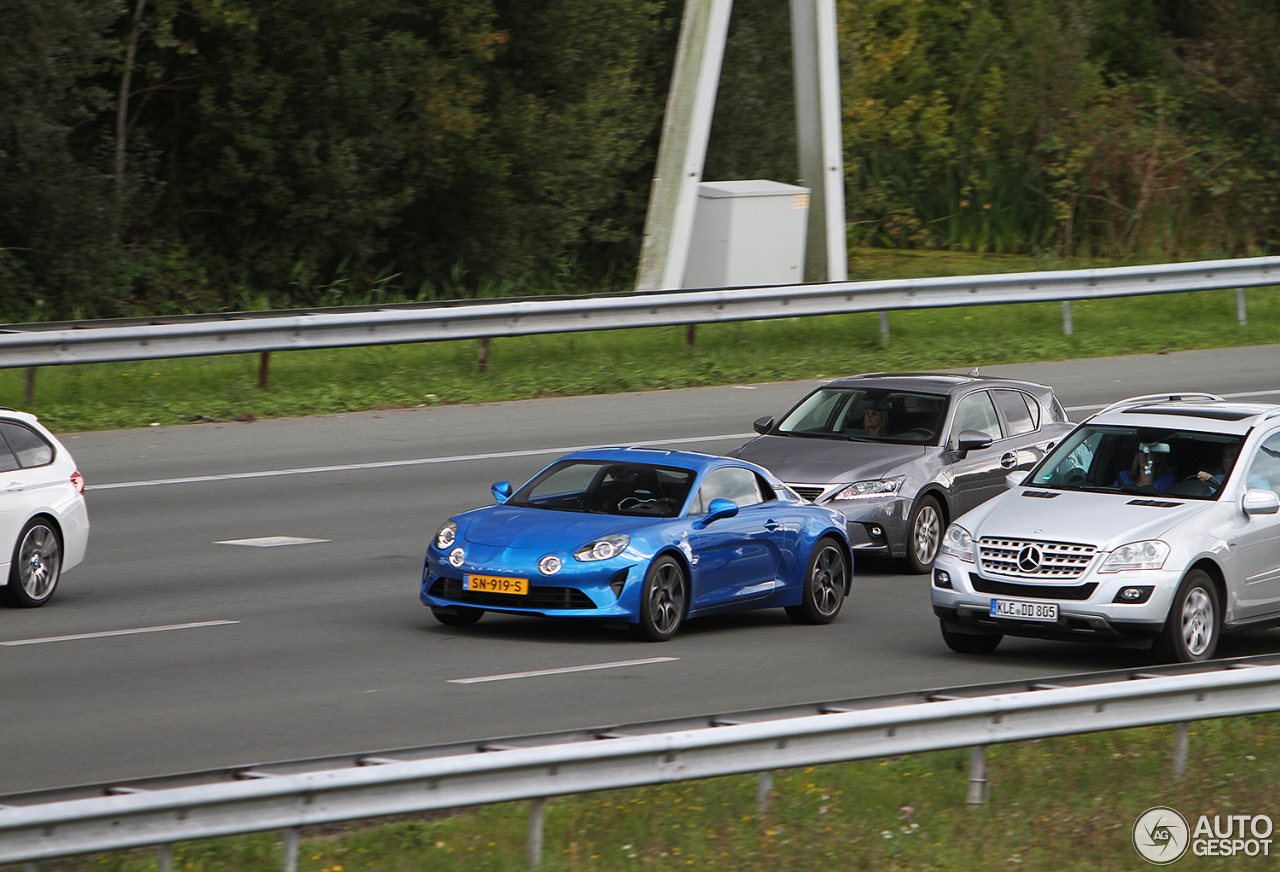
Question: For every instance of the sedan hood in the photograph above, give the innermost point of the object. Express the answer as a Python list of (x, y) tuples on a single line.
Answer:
[(1104, 521), (798, 459), (517, 527)]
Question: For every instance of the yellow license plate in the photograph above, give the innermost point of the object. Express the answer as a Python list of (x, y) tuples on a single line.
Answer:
[(496, 584)]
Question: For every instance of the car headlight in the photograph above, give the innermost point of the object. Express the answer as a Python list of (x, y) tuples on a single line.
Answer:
[(1150, 554), (958, 543), (447, 536), (862, 490), (602, 549), (549, 565)]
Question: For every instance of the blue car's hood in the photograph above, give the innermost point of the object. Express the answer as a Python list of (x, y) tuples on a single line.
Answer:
[(516, 527)]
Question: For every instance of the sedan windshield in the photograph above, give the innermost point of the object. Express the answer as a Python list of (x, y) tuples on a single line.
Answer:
[(870, 415), (1140, 460), (607, 488)]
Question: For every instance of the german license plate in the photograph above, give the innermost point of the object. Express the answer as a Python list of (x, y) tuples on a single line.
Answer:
[(1024, 611), (495, 584)]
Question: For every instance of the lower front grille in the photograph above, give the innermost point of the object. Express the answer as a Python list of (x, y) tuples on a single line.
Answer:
[(1033, 591), (537, 598)]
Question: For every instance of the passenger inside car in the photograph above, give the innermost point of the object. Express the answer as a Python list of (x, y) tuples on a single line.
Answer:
[(1151, 467)]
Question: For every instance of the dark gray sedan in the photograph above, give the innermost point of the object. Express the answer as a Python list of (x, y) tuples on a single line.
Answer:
[(901, 454)]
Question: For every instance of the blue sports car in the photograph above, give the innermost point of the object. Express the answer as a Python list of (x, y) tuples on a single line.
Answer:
[(644, 537)]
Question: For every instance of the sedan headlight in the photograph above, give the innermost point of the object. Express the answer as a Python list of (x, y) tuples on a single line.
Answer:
[(602, 549), (1150, 554), (447, 536), (863, 490), (958, 543)]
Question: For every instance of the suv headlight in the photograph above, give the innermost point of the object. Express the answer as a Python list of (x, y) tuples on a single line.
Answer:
[(447, 536), (958, 543), (602, 549), (1150, 554), (862, 490)]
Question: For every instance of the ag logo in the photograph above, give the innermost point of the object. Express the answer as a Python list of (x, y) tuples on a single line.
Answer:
[(1161, 835)]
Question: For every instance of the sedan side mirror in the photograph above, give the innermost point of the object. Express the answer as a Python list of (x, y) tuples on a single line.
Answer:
[(1015, 478), (718, 511), (763, 425), (971, 440), (501, 491), (1260, 502)]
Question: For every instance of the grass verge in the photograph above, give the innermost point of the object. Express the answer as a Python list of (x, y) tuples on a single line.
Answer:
[(1057, 804)]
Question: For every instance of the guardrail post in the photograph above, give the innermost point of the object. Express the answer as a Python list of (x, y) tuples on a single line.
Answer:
[(290, 837), (30, 867), (484, 354), (29, 394), (977, 775), (691, 336), (1181, 748), (1066, 317), (884, 328), (533, 851), (263, 364), (164, 858), (764, 793), (1240, 313)]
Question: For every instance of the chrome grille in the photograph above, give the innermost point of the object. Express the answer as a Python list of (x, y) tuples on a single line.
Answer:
[(809, 491), (1055, 559)]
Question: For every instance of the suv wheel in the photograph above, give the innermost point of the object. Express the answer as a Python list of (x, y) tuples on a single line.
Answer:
[(970, 643), (1194, 623)]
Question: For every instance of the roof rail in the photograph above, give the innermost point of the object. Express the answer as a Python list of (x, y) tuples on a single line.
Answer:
[(1145, 399)]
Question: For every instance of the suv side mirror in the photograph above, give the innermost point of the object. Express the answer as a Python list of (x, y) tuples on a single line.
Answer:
[(718, 511), (971, 440), (1260, 502), (501, 491), (763, 425)]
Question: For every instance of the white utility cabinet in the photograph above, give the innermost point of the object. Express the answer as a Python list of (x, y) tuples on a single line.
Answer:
[(747, 233)]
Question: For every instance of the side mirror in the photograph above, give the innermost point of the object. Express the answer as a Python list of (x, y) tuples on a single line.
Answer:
[(1260, 502), (971, 440), (501, 491), (718, 511), (1015, 478), (763, 425)]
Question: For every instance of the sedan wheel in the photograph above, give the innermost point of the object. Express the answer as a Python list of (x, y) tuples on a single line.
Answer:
[(663, 601), (37, 565), (924, 534), (824, 585)]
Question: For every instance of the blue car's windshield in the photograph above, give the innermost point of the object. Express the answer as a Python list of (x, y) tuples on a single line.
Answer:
[(872, 415), (608, 488)]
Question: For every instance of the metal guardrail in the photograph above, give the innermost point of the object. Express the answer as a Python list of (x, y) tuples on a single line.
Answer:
[(262, 801), (108, 341)]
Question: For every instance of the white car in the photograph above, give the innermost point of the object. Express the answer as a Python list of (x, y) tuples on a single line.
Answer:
[(44, 526), (1155, 523)]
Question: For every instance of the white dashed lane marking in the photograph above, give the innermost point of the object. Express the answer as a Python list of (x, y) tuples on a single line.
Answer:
[(270, 541), (562, 670), (107, 633)]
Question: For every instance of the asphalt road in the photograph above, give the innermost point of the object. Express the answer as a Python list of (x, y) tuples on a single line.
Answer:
[(322, 647)]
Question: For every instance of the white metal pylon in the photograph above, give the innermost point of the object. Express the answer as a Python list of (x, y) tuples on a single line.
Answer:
[(686, 127)]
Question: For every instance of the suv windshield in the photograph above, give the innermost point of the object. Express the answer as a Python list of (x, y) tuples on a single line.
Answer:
[(873, 415), (607, 488), (1140, 460)]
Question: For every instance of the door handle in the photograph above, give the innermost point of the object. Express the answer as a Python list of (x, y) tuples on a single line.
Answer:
[(1009, 461), (771, 525), (15, 486)]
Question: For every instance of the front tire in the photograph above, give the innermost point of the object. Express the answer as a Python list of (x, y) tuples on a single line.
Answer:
[(664, 599), (1194, 623), (970, 643), (457, 616), (824, 585), (924, 535), (36, 566)]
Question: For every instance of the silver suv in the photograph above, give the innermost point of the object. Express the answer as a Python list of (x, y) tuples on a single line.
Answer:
[(1155, 523)]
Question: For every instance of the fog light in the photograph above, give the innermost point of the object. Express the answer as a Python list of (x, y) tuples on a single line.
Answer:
[(877, 530), (942, 578), (1138, 593), (549, 565), (456, 556)]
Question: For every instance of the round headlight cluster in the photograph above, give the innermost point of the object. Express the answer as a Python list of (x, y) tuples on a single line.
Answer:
[(447, 536), (549, 565), (602, 549)]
